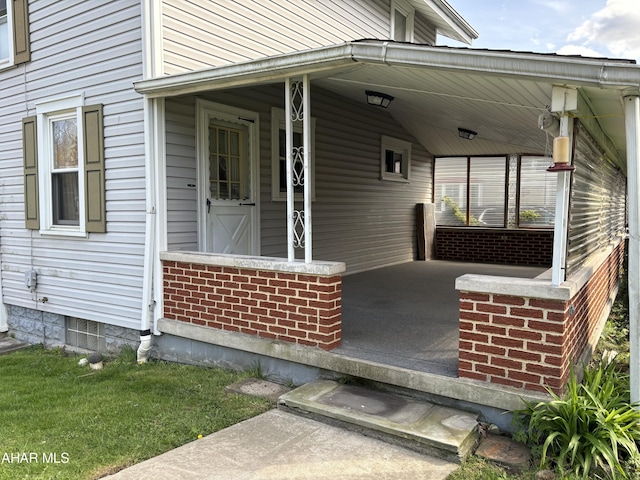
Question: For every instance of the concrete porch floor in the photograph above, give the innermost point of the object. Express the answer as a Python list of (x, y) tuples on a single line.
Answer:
[(407, 315)]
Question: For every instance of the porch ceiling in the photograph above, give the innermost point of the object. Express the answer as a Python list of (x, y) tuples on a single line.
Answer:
[(432, 104), (498, 94)]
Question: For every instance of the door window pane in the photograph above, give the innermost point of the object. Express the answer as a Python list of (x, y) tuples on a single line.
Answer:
[(227, 163)]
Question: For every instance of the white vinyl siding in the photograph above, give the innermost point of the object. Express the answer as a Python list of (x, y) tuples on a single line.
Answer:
[(199, 34), (182, 214), (93, 49), (424, 32), (357, 218)]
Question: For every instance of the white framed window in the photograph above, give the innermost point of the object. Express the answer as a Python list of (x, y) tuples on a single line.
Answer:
[(278, 157), (395, 159), (63, 153), (64, 164), (60, 166), (14, 33), (63, 150), (402, 21), (6, 34)]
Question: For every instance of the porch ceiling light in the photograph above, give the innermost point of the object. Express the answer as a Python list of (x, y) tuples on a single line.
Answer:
[(378, 99), (466, 134)]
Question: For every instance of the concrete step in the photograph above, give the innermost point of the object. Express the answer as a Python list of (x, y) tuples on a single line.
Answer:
[(444, 432), (10, 344)]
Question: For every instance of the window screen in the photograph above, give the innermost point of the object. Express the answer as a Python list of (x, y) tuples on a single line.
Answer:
[(537, 193), (470, 191)]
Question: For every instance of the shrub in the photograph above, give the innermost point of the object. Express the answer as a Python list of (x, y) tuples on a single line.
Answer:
[(592, 426)]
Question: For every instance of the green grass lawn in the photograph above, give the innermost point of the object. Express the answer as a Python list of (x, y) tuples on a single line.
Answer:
[(62, 421)]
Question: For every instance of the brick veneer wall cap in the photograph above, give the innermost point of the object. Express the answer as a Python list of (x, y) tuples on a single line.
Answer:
[(539, 287), (275, 264)]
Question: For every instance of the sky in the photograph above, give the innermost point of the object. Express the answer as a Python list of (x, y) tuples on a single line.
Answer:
[(591, 28)]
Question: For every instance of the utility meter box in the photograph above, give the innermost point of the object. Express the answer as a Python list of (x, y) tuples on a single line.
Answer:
[(31, 279)]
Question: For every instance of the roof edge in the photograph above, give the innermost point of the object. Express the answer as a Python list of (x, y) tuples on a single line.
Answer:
[(576, 71)]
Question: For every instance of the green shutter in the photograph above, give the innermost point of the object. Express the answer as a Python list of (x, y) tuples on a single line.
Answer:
[(30, 156), (94, 191), (21, 47)]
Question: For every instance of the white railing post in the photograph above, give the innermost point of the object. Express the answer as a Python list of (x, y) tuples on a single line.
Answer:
[(306, 135), (289, 169), (561, 227)]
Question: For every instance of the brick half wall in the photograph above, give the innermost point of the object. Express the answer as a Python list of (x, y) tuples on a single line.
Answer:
[(496, 245), (291, 307), (528, 342)]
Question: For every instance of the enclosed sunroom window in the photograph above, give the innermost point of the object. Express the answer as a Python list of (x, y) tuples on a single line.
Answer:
[(470, 191), (537, 195)]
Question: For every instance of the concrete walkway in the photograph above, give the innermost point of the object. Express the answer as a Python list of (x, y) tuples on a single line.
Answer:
[(281, 446)]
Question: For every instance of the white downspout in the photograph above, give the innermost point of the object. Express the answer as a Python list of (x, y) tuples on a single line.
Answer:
[(4, 314), (632, 125), (152, 62)]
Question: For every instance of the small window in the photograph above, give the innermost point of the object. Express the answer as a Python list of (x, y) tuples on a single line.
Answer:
[(278, 158), (85, 334), (395, 159), (402, 19)]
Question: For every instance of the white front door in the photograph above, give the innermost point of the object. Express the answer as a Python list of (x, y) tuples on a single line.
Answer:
[(229, 181)]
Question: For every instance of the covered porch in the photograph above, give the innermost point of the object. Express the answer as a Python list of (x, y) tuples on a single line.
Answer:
[(288, 294)]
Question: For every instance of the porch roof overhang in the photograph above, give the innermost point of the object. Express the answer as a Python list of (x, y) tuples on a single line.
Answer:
[(437, 89)]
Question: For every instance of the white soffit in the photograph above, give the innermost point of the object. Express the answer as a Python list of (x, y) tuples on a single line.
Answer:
[(438, 89)]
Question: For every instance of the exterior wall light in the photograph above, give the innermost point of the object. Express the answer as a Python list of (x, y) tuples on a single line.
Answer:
[(378, 99), (466, 134)]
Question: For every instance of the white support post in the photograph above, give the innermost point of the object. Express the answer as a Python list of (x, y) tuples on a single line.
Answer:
[(306, 134), (291, 255), (632, 125), (561, 227)]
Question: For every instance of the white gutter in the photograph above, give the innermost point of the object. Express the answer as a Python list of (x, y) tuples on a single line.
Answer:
[(575, 71)]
